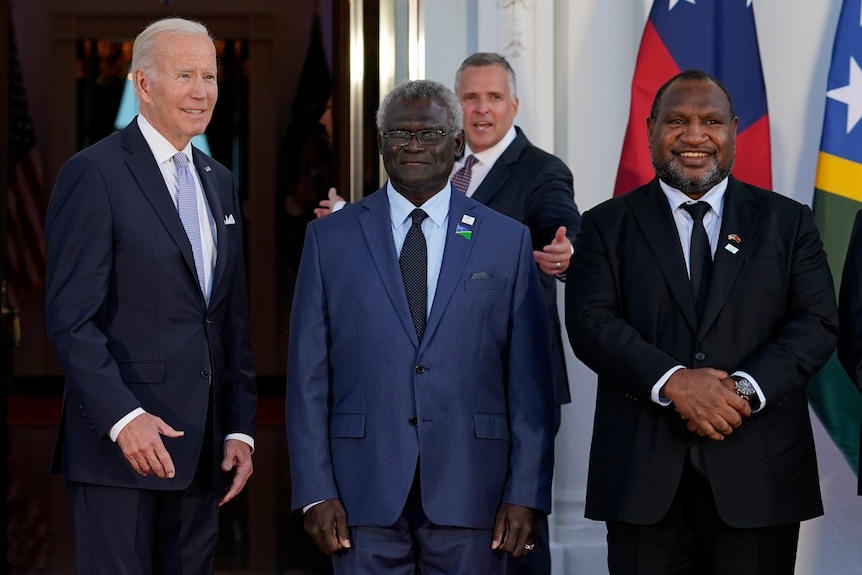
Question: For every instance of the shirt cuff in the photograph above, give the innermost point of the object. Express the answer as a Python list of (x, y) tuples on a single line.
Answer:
[(247, 439), (656, 389), (337, 206), (756, 388), (310, 505), (120, 425)]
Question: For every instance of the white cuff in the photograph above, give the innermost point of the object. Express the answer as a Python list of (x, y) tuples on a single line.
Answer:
[(118, 427)]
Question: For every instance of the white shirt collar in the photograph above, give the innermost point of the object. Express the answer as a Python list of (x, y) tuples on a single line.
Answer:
[(162, 149), (489, 157), (715, 196), (437, 206)]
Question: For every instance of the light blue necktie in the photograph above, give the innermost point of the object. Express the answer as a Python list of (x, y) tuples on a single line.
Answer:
[(187, 206)]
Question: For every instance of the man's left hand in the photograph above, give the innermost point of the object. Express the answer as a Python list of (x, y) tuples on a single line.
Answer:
[(514, 530), (554, 257), (237, 456)]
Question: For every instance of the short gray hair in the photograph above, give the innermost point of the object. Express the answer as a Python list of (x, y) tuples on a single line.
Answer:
[(144, 50), (480, 59), (423, 90)]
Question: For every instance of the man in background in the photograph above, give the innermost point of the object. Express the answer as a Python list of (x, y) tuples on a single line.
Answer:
[(147, 311)]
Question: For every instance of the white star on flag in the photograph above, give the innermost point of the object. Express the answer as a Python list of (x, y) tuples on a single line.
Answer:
[(675, 2), (851, 94)]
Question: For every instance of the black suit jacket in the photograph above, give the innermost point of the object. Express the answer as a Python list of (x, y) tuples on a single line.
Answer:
[(536, 188), (127, 318), (631, 317), (850, 308)]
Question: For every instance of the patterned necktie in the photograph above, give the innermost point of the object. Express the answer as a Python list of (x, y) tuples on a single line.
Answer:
[(414, 271), (461, 179), (700, 255), (187, 206)]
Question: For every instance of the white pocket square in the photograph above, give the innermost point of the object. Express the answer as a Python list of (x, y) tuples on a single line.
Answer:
[(228, 220)]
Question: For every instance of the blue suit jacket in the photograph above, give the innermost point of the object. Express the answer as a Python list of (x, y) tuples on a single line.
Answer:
[(128, 320), (478, 385)]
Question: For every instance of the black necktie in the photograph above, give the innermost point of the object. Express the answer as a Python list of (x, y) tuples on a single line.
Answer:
[(700, 255), (414, 271)]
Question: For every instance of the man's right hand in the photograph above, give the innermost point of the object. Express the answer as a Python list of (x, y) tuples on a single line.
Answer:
[(706, 401), (326, 522), (141, 444), (326, 205)]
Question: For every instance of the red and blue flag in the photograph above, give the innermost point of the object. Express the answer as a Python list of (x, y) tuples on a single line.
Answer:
[(718, 37)]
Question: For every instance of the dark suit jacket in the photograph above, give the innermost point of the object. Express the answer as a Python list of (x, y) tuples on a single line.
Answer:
[(850, 308), (536, 188), (128, 320), (631, 317), (472, 405)]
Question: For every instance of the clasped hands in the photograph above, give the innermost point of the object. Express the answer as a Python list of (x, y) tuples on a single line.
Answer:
[(706, 399)]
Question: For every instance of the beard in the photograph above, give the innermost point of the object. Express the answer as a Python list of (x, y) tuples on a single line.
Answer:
[(673, 175)]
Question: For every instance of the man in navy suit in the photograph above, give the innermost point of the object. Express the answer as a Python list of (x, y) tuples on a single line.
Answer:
[(705, 305), (419, 440), (147, 311)]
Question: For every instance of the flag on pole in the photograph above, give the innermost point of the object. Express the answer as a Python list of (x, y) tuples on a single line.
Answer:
[(718, 37), (25, 194), (837, 198)]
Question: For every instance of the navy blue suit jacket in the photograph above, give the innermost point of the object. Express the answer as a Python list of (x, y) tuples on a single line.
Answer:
[(128, 320), (472, 405), (631, 317), (536, 188)]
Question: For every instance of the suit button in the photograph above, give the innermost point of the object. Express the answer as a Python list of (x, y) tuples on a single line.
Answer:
[(205, 373), (414, 422), (420, 369), (700, 356)]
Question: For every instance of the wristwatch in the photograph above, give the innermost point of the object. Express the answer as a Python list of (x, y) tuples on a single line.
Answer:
[(746, 391)]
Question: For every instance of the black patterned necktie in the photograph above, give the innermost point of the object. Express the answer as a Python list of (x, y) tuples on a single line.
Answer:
[(461, 179), (700, 255), (414, 271)]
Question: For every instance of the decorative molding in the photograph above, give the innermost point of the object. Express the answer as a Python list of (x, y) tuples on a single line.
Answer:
[(515, 46)]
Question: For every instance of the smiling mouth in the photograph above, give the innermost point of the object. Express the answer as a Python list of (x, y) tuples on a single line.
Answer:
[(693, 154), (195, 112)]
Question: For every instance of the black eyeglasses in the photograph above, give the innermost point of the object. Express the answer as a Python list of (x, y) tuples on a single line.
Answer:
[(425, 137)]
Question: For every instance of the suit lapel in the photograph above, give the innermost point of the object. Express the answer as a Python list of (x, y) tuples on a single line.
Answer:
[(500, 171), (739, 219), (653, 215), (455, 255), (376, 224), (211, 191), (146, 172)]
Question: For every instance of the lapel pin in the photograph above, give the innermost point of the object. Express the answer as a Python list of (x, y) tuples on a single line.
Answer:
[(731, 248), (207, 169), (464, 232), (469, 220), (734, 238)]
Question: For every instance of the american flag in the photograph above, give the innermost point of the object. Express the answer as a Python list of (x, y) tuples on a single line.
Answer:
[(26, 196)]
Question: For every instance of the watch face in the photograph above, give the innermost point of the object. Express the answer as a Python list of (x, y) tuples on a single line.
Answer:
[(744, 388)]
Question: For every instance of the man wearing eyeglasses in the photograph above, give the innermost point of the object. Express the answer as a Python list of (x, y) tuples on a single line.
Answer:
[(419, 397)]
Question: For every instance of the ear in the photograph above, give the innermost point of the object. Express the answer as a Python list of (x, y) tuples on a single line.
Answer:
[(380, 142), (142, 86), (459, 144)]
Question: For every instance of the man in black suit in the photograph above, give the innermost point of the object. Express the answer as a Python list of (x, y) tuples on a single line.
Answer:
[(850, 312), (147, 311), (702, 455)]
